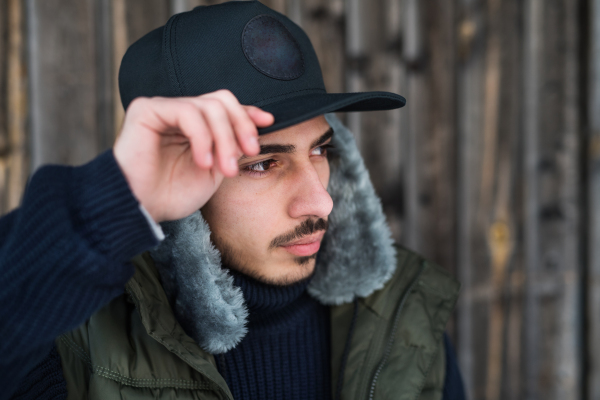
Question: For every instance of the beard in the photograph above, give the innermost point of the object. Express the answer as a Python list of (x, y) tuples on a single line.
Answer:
[(233, 259)]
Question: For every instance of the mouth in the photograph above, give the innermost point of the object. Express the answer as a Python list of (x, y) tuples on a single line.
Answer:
[(305, 246)]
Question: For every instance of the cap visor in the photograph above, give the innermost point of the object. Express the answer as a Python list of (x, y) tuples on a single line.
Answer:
[(298, 109)]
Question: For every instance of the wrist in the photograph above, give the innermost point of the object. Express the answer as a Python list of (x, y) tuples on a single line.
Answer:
[(106, 211)]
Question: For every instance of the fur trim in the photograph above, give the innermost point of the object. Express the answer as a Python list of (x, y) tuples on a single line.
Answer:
[(208, 306), (357, 256)]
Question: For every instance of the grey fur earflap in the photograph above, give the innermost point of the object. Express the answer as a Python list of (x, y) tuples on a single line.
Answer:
[(357, 256), (205, 302)]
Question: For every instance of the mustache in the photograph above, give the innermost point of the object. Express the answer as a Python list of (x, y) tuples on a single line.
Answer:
[(306, 228)]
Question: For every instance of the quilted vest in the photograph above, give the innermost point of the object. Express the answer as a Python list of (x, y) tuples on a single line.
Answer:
[(134, 348)]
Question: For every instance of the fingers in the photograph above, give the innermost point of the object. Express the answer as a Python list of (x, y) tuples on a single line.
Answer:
[(261, 118), (217, 126), (244, 128), (227, 150)]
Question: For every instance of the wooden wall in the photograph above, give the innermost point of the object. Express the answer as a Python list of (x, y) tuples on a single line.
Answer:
[(492, 170)]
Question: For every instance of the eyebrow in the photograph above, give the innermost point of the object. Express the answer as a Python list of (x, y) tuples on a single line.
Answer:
[(290, 148), (325, 137)]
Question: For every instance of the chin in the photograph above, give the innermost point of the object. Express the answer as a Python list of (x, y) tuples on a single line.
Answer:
[(300, 269)]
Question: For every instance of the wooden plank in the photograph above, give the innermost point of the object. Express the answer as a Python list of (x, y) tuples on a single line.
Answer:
[(293, 10), (4, 149), (433, 198), (179, 6), (355, 55), (132, 19), (552, 226), (62, 75), (499, 236), (593, 208), (505, 250), (532, 59), (570, 314), (17, 158), (388, 73), (323, 23), (104, 74), (120, 42), (412, 50), (143, 16), (470, 81)]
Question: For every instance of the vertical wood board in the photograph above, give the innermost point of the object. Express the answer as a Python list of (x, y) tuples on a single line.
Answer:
[(593, 212), (63, 81)]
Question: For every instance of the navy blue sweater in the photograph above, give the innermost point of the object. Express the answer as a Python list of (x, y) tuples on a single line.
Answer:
[(63, 255), (286, 353)]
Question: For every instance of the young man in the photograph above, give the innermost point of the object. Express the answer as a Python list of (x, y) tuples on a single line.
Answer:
[(275, 276)]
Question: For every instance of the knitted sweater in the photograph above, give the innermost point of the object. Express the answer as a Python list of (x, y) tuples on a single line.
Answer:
[(285, 354), (63, 255)]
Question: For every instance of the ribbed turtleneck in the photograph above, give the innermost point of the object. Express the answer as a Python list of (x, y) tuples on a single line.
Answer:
[(286, 353)]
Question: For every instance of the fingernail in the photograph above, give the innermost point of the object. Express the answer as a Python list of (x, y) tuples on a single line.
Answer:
[(208, 158), (254, 142)]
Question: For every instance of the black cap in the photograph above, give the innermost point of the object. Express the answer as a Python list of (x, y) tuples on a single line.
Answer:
[(260, 55)]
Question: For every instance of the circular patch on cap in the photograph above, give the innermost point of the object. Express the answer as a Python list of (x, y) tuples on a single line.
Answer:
[(271, 49)]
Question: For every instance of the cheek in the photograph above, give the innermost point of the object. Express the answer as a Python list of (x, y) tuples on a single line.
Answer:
[(241, 217)]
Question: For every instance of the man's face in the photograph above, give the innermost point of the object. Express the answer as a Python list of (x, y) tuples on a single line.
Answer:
[(269, 221)]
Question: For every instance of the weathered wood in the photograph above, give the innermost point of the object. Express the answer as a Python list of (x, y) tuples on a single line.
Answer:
[(179, 6), (479, 172), (120, 42), (499, 237), (383, 148), (593, 208), (570, 310), (355, 56), (552, 197), (323, 23), (506, 205), (293, 10), (62, 75), (470, 81), (16, 162), (104, 74), (4, 148), (435, 140), (132, 19), (413, 119), (532, 56)]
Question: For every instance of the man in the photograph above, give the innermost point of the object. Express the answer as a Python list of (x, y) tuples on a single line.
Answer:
[(276, 276)]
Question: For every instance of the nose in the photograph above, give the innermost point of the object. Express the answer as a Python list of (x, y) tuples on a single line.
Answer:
[(309, 196)]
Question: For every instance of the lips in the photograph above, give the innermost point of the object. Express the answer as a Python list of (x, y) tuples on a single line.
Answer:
[(305, 246)]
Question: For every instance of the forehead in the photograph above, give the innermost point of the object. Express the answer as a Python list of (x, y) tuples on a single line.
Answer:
[(306, 131)]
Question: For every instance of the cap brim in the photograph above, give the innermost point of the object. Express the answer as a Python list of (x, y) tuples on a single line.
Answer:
[(301, 108)]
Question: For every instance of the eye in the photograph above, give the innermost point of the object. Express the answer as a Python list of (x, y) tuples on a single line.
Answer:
[(261, 167), (321, 150)]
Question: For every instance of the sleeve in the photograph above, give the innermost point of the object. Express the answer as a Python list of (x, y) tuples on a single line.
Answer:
[(453, 384), (63, 255), (44, 381)]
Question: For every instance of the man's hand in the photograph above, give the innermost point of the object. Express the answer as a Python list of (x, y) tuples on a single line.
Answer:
[(175, 152)]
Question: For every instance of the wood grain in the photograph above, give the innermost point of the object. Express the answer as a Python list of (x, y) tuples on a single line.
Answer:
[(4, 148), (64, 126), (16, 160), (592, 377), (481, 172)]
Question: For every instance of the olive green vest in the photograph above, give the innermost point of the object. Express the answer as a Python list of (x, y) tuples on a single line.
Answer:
[(134, 348)]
